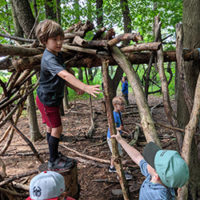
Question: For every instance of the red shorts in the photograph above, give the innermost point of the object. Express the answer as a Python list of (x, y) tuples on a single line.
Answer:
[(50, 115)]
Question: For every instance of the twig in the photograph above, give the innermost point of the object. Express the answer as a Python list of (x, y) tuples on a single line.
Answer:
[(18, 176), (86, 156)]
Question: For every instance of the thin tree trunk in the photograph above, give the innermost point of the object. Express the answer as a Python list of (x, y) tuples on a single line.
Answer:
[(49, 10), (190, 130), (33, 123), (111, 123), (24, 15)]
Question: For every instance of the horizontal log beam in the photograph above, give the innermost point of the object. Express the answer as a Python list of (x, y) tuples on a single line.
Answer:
[(95, 61), (153, 46), (18, 51)]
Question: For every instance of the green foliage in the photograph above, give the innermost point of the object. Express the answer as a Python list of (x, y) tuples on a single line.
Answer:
[(97, 81), (4, 76), (154, 76)]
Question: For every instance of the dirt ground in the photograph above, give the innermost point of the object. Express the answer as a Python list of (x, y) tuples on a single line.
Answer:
[(96, 183)]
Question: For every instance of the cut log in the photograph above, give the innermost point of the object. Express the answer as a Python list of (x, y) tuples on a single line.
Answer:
[(153, 46), (13, 50), (71, 179)]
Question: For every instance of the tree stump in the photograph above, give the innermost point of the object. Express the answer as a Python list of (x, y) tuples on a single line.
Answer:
[(71, 179)]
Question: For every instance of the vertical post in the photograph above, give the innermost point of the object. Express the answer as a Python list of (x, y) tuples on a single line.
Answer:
[(111, 123)]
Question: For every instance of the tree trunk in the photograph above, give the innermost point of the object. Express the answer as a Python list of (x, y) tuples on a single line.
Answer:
[(26, 20), (126, 16), (49, 10), (58, 11), (99, 11), (33, 124), (18, 30), (25, 16), (191, 16), (80, 74)]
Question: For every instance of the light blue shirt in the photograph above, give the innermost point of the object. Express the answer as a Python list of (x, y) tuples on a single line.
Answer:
[(153, 191), (117, 120)]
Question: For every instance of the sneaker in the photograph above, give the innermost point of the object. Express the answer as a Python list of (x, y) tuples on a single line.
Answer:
[(112, 169), (59, 164), (128, 177)]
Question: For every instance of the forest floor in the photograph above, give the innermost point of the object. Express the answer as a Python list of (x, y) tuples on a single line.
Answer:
[(96, 182)]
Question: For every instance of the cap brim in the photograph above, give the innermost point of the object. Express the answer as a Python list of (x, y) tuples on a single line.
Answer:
[(149, 153), (56, 198)]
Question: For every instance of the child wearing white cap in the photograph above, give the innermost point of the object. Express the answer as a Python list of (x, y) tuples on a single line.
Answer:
[(164, 170), (48, 185)]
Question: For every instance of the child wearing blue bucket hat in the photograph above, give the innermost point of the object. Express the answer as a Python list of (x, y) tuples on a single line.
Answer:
[(164, 170)]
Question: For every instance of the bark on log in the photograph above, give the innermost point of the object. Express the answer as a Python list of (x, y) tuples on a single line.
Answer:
[(95, 61), (153, 46), (125, 37), (145, 116), (17, 38), (17, 51), (71, 179), (79, 49), (79, 41)]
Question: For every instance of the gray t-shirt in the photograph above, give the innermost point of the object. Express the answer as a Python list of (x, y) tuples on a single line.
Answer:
[(51, 86), (152, 191)]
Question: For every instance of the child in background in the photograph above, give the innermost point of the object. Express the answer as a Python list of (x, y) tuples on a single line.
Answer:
[(53, 78), (125, 89), (164, 170), (118, 104), (48, 185)]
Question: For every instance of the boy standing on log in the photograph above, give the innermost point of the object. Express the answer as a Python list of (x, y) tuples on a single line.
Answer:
[(164, 170), (53, 78)]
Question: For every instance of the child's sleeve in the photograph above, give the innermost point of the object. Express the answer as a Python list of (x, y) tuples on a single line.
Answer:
[(53, 66), (143, 167)]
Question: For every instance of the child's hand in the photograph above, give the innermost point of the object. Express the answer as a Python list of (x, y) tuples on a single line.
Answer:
[(117, 136), (79, 92), (93, 89)]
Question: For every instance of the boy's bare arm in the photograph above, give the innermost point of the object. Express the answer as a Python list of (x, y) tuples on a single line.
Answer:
[(77, 90), (135, 155), (71, 79)]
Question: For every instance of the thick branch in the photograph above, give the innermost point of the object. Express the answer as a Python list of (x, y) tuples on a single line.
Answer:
[(153, 46), (146, 119), (6, 49), (123, 37)]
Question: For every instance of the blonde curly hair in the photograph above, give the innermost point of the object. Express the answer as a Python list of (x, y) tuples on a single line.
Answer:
[(118, 100)]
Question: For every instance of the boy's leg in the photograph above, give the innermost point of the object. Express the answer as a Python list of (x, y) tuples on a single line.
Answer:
[(112, 167), (51, 116), (48, 134), (54, 142)]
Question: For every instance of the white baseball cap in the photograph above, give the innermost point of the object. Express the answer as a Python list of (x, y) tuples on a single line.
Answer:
[(47, 185)]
